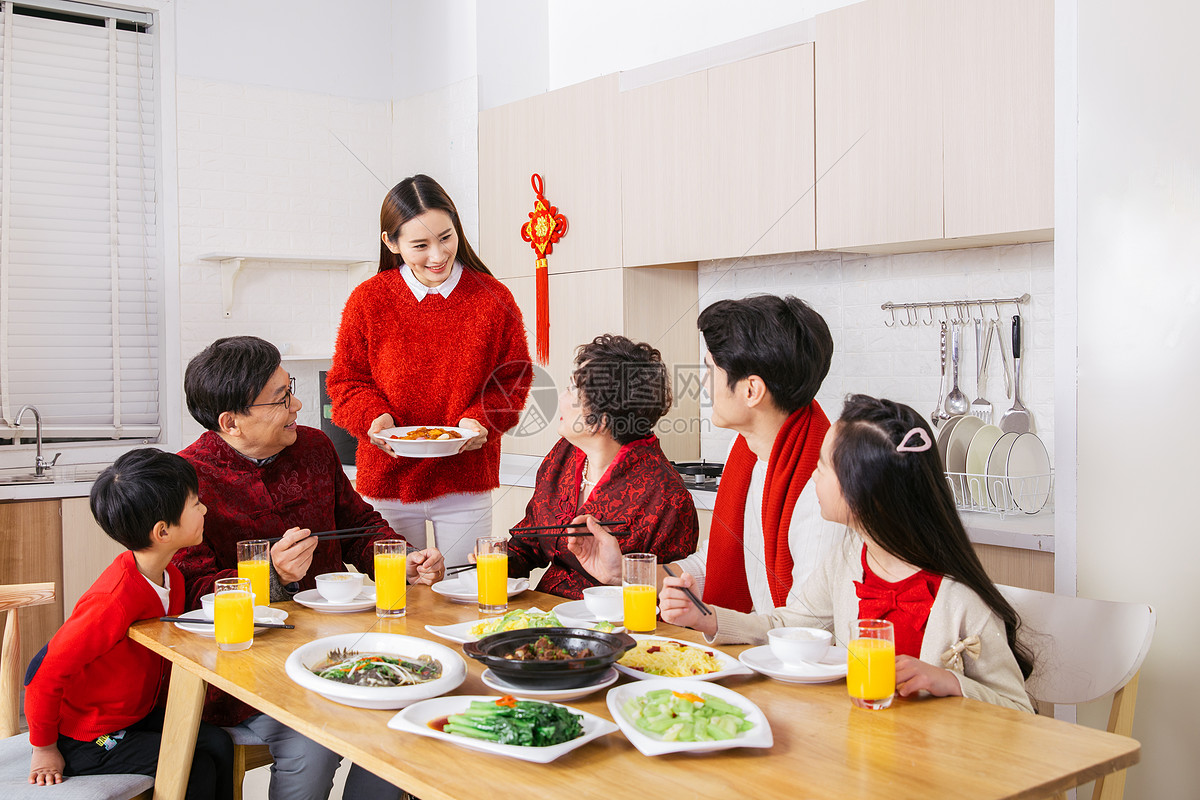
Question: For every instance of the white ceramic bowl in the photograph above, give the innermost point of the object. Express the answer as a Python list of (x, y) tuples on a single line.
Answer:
[(424, 448), (340, 587), (299, 663), (605, 602), (206, 604), (799, 646)]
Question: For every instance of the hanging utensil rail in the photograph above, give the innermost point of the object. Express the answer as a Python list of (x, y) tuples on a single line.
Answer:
[(960, 311)]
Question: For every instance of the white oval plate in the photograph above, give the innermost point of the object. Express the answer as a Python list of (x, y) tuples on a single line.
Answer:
[(729, 664), (649, 745), (416, 719), (829, 669), (943, 437), (207, 629), (454, 669), (960, 440), (1029, 473), (576, 612), (461, 631), (424, 448), (492, 682), (312, 598), (997, 467), (977, 460), (460, 592)]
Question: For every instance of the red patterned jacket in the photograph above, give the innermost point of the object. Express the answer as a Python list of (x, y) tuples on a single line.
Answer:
[(431, 362), (640, 487)]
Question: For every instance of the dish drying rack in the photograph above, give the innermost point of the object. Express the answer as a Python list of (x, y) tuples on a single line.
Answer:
[(1001, 495)]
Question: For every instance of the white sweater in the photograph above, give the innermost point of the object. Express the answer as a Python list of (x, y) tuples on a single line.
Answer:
[(828, 599)]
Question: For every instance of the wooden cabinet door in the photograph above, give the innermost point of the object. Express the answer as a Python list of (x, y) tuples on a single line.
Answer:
[(760, 155), (511, 148), (31, 552), (879, 125), (999, 118), (87, 551), (665, 185)]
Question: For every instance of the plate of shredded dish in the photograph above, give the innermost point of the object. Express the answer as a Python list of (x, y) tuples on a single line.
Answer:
[(661, 657)]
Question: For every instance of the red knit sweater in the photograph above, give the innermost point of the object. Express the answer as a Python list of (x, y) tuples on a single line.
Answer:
[(429, 363), (94, 680)]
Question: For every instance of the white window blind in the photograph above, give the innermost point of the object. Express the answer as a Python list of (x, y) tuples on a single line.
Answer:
[(80, 264)]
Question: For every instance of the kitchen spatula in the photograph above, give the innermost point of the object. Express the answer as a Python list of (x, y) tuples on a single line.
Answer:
[(980, 407), (1017, 419)]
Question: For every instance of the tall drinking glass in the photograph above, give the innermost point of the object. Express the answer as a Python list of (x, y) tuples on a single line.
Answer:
[(491, 557), (639, 573), (233, 613), (391, 582), (871, 665), (254, 564)]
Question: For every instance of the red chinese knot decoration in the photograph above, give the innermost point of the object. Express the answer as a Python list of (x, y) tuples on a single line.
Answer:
[(545, 227)]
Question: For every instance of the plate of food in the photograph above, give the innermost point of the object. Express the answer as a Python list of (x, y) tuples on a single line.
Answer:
[(606, 680), (203, 626), (425, 441), (517, 619), (832, 667), (657, 657), (544, 731), (376, 670), (660, 717), (312, 598), (460, 591)]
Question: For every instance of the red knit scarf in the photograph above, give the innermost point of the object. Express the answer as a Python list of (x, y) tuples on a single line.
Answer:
[(793, 458)]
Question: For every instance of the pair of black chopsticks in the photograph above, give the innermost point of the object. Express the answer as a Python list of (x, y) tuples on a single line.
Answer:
[(343, 533), (457, 568), (695, 600), (534, 530), (201, 621)]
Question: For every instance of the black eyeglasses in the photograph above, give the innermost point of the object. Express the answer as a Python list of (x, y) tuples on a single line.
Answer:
[(286, 402)]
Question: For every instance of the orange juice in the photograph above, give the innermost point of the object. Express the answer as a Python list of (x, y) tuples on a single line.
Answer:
[(640, 600), (233, 618), (259, 575), (871, 673), (391, 584), (493, 579)]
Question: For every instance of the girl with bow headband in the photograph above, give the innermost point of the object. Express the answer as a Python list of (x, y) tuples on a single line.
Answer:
[(906, 558)]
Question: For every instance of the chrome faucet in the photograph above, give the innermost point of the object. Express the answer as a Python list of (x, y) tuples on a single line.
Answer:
[(40, 465)]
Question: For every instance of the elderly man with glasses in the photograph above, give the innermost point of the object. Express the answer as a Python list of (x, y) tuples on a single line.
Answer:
[(262, 476)]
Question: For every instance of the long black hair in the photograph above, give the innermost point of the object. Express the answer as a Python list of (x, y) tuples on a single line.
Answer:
[(410, 198), (903, 502)]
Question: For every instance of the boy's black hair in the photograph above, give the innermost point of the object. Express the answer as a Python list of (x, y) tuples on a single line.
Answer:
[(227, 376), (142, 488), (780, 339)]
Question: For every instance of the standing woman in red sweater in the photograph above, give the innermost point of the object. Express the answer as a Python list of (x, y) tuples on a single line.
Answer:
[(432, 339)]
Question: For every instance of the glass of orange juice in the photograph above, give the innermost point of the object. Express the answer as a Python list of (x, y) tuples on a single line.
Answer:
[(639, 573), (391, 580), (491, 557), (871, 665), (233, 613), (254, 564)]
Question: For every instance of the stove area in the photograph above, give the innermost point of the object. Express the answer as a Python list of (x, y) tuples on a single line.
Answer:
[(702, 476)]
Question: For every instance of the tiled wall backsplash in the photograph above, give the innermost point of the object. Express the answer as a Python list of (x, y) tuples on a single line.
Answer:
[(902, 363)]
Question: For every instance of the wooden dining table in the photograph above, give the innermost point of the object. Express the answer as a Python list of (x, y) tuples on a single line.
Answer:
[(823, 746)]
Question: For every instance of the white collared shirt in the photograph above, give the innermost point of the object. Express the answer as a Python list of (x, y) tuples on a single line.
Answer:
[(163, 592), (420, 290)]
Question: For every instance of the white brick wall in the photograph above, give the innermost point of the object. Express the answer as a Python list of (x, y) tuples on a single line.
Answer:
[(901, 363)]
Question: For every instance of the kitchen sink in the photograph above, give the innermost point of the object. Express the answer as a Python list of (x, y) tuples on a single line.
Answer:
[(24, 475), (60, 473)]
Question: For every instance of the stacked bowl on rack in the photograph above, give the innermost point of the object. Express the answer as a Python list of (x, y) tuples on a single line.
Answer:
[(990, 470)]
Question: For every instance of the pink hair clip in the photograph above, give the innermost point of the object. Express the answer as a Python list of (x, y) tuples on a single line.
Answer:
[(925, 444)]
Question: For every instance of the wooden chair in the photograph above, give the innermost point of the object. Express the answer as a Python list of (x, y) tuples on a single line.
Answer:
[(1084, 650), (15, 750), (249, 752)]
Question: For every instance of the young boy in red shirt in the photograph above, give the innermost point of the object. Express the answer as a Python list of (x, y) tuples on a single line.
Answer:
[(93, 701)]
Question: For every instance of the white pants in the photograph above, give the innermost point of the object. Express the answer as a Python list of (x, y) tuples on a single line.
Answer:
[(458, 520)]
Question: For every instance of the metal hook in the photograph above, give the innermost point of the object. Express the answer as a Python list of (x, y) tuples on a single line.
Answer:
[(930, 310), (914, 317), (996, 305), (891, 324), (982, 313)]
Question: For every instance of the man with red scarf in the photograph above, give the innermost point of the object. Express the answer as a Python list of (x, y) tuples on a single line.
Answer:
[(767, 357)]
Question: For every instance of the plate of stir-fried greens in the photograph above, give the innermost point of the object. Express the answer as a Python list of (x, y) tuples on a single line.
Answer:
[(526, 729), (376, 670)]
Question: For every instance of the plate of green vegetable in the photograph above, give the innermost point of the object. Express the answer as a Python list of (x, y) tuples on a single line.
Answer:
[(680, 716), (529, 730)]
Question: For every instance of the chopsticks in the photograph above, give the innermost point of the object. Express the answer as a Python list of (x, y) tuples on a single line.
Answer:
[(200, 621), (457, 568), (342, 533), (695, 600), (526, 531)]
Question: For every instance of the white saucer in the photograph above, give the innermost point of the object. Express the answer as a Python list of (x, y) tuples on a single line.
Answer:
[(548, 695), (831, 668), (576, 613), (461, 592), (208, 630), (312, 598)]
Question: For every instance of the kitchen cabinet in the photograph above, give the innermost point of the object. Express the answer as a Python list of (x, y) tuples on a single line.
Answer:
[(87, 551), (31, 552), (1028, 569), (508, 507), (665, 187), (512, 146), (759, 155)]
